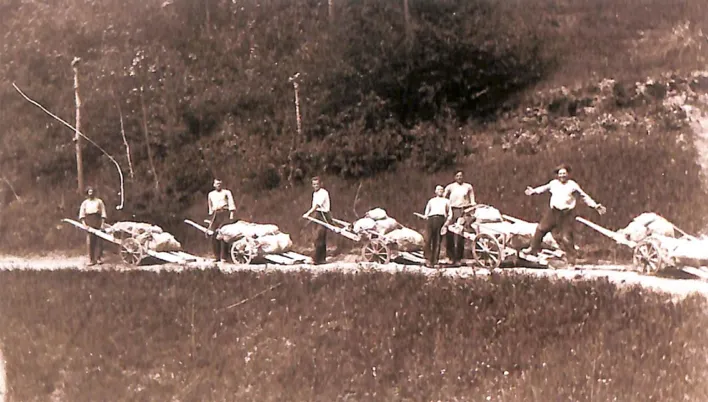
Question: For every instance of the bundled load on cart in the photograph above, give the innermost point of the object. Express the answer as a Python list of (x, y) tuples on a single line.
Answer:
[(150, 236), (378, 221), (383, 238), (657, 244), (250, 240), (497, 238), (138, 240), (646, 225), (268, 237)]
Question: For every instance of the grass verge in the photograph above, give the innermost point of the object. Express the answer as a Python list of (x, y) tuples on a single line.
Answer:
[(205, 335)]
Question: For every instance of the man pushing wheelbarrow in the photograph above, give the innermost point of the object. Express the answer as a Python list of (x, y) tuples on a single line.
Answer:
[(561, 212)]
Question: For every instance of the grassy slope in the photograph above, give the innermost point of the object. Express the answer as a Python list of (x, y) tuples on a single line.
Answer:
[(142, 336)]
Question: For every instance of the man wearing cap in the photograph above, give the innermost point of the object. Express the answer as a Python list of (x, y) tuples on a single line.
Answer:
[(461, 196), (221, 210), (561, 212), (92, 213), (321, 205)]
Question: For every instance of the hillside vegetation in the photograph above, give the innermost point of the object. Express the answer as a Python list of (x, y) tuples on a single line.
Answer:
[(391, 100)]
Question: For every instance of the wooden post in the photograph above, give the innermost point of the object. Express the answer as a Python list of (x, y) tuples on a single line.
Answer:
[(77, 137), (296, 87), (330, 10)]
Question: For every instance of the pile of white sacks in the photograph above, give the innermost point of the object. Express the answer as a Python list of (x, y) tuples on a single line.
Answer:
[(152, 236), (651, 224), (268, 237), (645, 225), (378, 221), (519, 233)]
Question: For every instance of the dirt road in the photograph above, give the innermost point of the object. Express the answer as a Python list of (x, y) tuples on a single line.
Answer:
[(678, 286)]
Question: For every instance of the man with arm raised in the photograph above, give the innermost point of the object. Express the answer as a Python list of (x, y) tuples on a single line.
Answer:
[(560, 214)]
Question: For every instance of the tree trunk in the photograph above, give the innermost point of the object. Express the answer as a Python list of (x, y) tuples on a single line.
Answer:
[(298, 118), (77, 137), (147, 142), (125, 142)]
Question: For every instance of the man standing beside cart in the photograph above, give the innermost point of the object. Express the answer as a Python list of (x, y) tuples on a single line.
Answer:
[(92, 213), (439, 214), (221, 210), (561, 212), (461, 196), (321, 205)]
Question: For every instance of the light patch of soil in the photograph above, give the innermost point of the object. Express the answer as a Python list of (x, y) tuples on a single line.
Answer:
[(618, 274)]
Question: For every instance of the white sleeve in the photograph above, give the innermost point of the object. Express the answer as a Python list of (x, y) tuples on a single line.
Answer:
[(586, 198)]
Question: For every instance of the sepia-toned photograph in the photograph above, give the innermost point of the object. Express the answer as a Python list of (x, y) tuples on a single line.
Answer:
[(353, 200)]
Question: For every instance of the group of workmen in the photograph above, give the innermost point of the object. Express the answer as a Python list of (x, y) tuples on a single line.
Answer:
[(446, 207), (450, 203)]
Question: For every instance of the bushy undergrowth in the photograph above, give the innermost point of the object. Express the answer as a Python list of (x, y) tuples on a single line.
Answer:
[(627, 175), (209, 336), (203, 88)]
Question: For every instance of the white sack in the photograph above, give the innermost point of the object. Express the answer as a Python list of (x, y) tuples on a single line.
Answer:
[(275, 243), (164, 242), (646, 218), (387, 225), (661, 227), (233, 231), (645, 225), (635, 231), (377, 214), (134, 228), (486, 214), (407, 239), (364, 224)]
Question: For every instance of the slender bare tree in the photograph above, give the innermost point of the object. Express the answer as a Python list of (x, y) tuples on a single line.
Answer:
[(296, 88), (77, 137), (147, 141)]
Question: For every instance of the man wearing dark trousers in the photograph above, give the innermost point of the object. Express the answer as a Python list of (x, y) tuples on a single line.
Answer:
[(221, 209), (461, 196), (438, 214), (560, 214), (320, 205), (92, 213)]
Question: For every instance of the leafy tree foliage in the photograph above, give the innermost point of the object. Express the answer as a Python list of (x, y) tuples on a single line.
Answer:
[(213, 75)]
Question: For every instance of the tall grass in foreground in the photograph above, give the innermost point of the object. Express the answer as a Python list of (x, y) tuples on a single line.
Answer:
[(208, 336)]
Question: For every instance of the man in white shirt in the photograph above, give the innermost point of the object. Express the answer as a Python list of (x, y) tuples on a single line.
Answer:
[(92, 213), (221, 209), (320, 205), (439, 214), (461, 196), (561, 212)]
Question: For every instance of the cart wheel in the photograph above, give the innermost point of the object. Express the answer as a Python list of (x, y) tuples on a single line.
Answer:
[(244, 250), (648, 256), (376, 251), (486, 251), (131, 252)]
